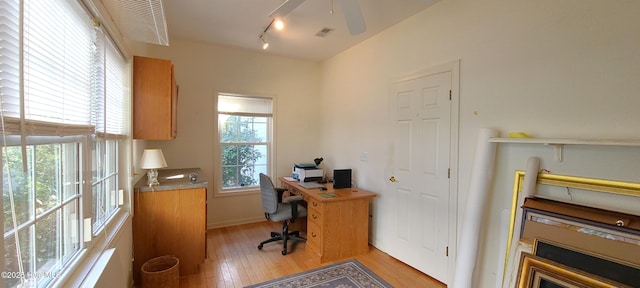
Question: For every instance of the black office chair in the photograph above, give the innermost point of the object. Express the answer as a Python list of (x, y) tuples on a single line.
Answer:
[(276, 209)]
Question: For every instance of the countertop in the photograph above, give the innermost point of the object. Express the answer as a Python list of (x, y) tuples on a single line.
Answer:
[(172, 179)]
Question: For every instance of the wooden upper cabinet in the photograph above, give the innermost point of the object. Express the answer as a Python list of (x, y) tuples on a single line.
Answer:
[(155, 97)]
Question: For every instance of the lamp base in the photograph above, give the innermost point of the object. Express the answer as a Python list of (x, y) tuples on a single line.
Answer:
[(152, 177)]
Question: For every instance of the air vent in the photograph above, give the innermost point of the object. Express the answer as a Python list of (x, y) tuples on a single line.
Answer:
[(324, 32)]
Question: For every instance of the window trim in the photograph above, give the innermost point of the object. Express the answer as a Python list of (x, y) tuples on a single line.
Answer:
[(118, 226), (218, 191), (80, 268), (98, 227)]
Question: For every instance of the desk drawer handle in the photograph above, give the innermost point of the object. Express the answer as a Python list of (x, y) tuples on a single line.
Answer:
[(315, 203), (313, 234), (314, 216)]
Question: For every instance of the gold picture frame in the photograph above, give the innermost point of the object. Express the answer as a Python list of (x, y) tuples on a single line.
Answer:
[(584, 183), (536, 271), (615, 270)]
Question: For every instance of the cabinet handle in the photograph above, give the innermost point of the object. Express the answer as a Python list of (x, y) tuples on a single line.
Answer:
[(314, 216), (313, 234), (314, 203)]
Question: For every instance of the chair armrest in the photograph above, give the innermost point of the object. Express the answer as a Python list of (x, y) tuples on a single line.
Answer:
[(280, 192), (293, 199), (294, 205)]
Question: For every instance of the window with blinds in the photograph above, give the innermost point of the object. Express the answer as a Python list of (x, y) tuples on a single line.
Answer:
[(245, 133), (50, 88), (61, 76)]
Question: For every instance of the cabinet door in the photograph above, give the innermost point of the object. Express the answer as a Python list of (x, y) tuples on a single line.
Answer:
[(187, 236), (170, 222), (154, 99)]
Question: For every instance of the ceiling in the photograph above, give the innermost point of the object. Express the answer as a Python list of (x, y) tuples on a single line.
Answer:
[(239, 23)]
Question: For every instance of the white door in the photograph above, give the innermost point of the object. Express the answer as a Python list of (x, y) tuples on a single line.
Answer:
[(420, 115)]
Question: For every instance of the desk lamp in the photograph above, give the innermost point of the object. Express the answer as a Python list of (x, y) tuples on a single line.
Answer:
[(152, 159), (317, 161)]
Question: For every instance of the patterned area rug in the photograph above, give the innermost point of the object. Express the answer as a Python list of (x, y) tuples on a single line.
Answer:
[(346, 274)]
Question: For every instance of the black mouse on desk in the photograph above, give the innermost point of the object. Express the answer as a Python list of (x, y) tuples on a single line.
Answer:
[(323, 188)]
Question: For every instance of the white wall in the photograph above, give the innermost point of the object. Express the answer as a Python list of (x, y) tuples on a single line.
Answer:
[(203, 69), (564, 69), (549, 68)]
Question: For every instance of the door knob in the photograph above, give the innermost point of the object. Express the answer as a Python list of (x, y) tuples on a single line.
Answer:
[(393, 179)]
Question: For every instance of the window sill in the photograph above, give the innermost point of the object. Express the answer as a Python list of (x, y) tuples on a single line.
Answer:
[(237, 192), (82, 267)]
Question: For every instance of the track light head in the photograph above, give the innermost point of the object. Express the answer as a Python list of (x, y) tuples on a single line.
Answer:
[(264, 42)]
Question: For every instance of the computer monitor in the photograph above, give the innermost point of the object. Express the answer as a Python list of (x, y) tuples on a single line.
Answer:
[(341, 178)]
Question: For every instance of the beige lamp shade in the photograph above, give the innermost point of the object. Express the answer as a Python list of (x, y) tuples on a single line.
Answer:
[(152, 159)]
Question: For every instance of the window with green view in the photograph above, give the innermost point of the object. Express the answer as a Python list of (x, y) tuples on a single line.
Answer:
[(244, 129)]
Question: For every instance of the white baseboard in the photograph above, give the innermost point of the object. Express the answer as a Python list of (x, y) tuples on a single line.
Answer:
[(234, 222)]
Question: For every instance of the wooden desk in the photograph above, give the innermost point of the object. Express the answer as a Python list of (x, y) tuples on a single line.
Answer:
[(338, 227)]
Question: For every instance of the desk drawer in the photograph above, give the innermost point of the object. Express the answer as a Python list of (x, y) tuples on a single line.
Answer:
[(314, 215), (293, 190), (313, 203), (314, 237)]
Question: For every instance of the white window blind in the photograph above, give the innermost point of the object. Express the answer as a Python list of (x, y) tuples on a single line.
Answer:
[(10, 58), (244, 105), (56, 61), (108, 115), (115, 82)]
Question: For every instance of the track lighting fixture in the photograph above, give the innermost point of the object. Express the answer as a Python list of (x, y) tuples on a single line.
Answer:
[(264, 42), (275, 22), (350, 9)]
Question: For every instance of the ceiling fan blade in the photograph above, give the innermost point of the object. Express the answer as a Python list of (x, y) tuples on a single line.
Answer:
[(285, 8), (353, 16)]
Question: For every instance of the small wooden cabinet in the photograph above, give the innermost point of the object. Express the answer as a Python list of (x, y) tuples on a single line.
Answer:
[(170, 222), (155, 97)]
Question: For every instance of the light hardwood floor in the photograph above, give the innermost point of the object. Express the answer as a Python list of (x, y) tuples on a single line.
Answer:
[(233, 260)]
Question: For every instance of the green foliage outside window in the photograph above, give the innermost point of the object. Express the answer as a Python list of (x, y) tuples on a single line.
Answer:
[(41, 181), (244, 143)]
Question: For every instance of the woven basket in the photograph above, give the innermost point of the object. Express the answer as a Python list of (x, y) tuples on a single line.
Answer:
[(163, 271)]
